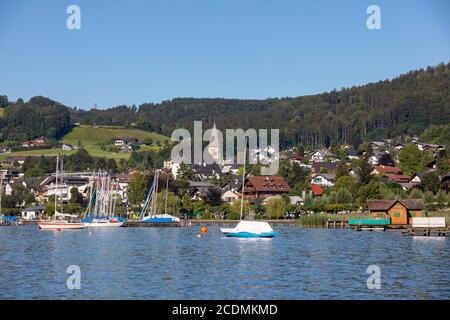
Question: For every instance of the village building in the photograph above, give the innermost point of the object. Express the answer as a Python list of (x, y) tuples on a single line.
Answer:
[(11, 161), (431, 166), (38, 142), (382, 170), (321, 156), (435, 148), (399, 211), (351, 154), (67, 147), (127, 148), (398, 178), (324, 167), (296, 200), (324, 179), (265, 186), (9, 174), (296, 158), (416, 178), (168, 164), (232, 168), (378, 145), (198, 190), (229, 196), (32, 213), (207, 171), (126, 141)]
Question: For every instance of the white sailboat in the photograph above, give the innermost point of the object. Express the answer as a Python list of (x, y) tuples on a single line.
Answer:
[(101, 214), (149, 212), (248, 229), (60, 224)]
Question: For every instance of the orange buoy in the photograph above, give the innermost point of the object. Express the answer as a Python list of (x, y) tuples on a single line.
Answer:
[(199, 236), (204, 230)]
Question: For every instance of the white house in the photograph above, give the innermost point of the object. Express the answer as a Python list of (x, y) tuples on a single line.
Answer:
[(321, 156), (324, 179), (416, 179), (67, 147), (296, 200), (168, 164), (32, 213), (229, 196)]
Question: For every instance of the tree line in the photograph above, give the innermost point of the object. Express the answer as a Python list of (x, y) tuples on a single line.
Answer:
[(404, 106)]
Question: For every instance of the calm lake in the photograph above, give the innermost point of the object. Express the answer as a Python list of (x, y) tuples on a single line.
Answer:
[(172, 263)]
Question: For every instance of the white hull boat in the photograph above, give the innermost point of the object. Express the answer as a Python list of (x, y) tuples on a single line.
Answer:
[(59, 225), (103, 223), (250, 229)]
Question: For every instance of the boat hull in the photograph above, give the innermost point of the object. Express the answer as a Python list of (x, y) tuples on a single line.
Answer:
[(161, 218), (250, 235), (103, 224), (250, 229), (60, 225)]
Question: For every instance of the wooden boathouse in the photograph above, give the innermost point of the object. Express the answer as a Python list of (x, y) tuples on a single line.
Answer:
[(400, 212)]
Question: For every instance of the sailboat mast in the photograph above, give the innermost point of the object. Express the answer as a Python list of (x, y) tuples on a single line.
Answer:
[(62, 179), (1, 191), (167, 187), (56, 187), (155, 204), (243, 179)]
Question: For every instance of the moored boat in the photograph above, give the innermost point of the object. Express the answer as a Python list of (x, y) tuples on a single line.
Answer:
[(248, 229), (59, 225), (150, 209), (55, 223)]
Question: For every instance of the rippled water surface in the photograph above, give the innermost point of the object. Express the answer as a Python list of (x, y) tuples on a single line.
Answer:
[(172, 263)]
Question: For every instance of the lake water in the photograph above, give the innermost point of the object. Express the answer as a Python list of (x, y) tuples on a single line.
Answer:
[(172, 263)]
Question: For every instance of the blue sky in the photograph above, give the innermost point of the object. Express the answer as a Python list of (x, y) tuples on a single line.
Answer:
[(130, 52)]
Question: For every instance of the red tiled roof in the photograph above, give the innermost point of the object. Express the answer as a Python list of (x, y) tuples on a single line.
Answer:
[(316, 189), (398, 177), (384, 205), (388, 169), (269, 183)]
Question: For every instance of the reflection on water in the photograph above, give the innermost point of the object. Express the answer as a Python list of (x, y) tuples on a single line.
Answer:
[(172, 263)]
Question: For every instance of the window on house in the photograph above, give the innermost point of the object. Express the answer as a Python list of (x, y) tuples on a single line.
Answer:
[(380, 215), (397, 215)]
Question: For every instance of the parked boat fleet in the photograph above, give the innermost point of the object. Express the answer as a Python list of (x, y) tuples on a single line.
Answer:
[(101, 207)]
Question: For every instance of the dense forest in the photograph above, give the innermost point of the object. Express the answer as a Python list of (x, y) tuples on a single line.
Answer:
[(404, 106)]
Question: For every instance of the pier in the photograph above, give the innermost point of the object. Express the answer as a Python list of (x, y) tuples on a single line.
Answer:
[(336, 224), (426, 231), (188, 223), (135, 224)]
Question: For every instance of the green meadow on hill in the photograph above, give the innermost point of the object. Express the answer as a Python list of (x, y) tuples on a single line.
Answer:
[(92, 137)]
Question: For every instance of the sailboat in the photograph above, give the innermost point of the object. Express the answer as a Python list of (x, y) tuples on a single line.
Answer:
[(60, 224), (102, 204), (248, 229), (149, 212)]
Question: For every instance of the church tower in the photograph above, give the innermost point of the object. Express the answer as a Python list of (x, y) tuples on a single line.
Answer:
[(214, 146)]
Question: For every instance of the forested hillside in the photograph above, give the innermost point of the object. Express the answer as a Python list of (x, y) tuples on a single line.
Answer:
[(406, 105)]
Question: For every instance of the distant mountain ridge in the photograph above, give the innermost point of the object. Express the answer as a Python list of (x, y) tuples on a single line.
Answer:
[(405, 105)]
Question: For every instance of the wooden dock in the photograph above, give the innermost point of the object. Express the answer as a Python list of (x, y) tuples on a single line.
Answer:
[(136, 224), (336, 224), (442, 231), (189, 223)]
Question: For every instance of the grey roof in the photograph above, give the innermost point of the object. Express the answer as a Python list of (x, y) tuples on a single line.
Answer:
[(199, 184), (328, 176)]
